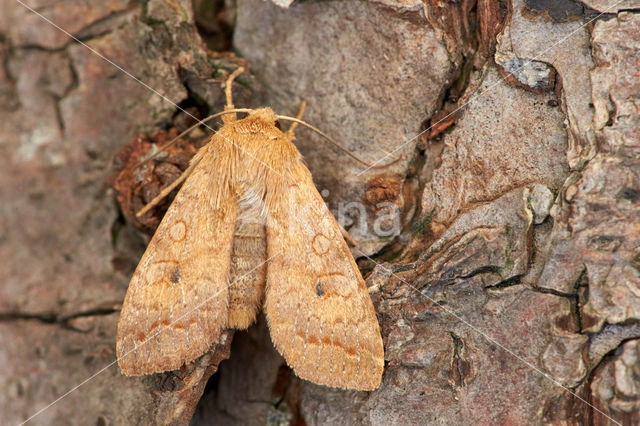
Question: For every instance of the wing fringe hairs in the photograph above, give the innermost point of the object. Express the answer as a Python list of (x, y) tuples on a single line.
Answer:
[(247, 230)]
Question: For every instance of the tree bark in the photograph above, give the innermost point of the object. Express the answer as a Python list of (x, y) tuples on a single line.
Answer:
[(500, 244)]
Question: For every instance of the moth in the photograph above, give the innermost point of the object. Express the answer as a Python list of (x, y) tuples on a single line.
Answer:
[(249, 230)]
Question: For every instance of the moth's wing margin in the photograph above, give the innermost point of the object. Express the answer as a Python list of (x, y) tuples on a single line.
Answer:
[(318, 307), (176, 304)]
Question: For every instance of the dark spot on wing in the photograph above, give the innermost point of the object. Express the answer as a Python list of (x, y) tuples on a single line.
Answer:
[(630, 194), (319, 289), (175, 275)]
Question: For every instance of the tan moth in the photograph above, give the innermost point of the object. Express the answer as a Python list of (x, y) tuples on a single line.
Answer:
[(249, 230)]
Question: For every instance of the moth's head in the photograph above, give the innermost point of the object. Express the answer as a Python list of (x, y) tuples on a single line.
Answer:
[(264, 114)]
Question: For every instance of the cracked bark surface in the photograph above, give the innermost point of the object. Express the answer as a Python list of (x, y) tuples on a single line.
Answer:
[(516, 267)]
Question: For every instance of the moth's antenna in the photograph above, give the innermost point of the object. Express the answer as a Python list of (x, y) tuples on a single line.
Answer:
[(295, 121), (184, 133), (228, 109), (336, 144)]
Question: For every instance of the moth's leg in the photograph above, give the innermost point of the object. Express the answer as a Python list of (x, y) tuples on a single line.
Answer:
[(227, 118), (169, 188), (348, 238), (289, 134)]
